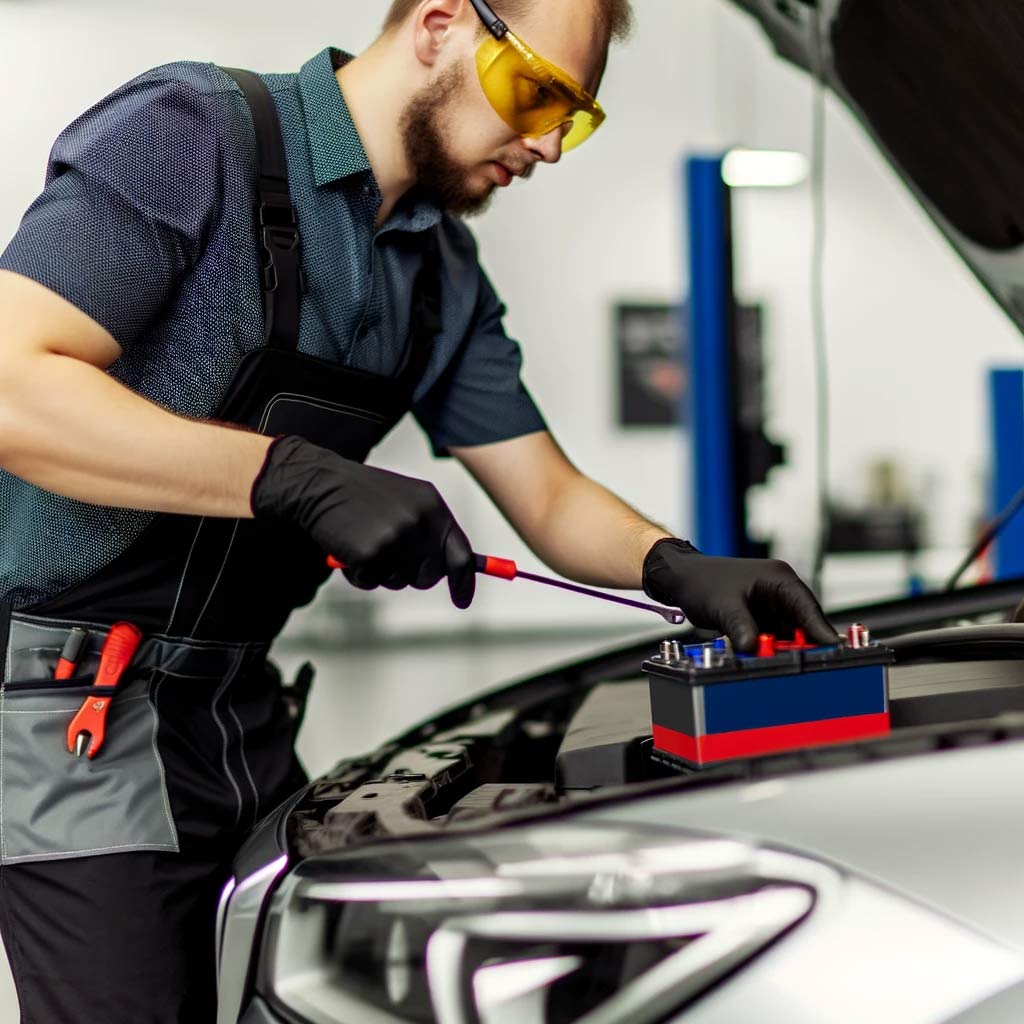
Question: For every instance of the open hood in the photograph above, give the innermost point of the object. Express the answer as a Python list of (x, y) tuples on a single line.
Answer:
[(939, 86)]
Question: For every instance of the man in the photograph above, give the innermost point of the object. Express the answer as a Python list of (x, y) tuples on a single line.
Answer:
[(182, 446)]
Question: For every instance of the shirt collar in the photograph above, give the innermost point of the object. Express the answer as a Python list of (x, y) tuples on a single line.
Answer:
[(334, 141)]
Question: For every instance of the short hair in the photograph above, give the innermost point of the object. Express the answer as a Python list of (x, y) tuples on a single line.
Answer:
[(616, 15)]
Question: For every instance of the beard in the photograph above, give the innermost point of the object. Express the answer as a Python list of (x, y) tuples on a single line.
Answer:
[(442, 179)]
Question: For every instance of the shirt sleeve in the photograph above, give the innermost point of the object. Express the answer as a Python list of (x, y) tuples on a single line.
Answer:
[(480, 398), (129, 195)]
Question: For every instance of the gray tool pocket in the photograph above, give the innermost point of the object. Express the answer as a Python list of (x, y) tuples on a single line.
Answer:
[(55, 805)]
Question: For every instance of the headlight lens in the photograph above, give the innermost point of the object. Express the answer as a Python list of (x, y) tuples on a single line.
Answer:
[(544, 925)]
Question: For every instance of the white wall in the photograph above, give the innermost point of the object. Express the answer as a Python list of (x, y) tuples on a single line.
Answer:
[(910, 331)]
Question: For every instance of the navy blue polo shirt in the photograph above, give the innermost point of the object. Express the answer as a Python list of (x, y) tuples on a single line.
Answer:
[(145, 224)]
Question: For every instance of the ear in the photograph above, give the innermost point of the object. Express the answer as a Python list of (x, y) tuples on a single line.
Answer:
[(432, 22)]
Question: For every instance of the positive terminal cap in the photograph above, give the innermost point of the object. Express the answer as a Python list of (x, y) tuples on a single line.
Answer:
[(766, 646), (855, 635)]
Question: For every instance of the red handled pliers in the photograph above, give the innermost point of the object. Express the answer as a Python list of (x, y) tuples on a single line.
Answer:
[(90, 723)]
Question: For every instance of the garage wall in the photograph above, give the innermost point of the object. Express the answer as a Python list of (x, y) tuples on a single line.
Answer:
[(910, 331)]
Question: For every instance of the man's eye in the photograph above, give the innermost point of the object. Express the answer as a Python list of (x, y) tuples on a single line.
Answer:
[(530, 93)]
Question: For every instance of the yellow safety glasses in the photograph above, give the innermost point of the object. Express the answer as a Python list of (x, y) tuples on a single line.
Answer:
[(531, 95)]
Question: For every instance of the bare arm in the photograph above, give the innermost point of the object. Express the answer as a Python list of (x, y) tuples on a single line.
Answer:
[(576, 526), (68, 427)]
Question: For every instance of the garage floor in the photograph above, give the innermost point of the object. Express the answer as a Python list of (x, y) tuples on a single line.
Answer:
[(361, 698)]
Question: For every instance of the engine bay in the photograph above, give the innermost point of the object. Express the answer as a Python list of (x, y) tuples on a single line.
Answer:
[(584, 733)]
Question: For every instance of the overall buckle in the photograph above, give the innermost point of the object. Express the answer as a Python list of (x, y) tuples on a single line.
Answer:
[(279, 234)]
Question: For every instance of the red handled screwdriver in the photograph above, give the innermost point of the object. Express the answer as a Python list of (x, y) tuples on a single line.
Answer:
[(90, 723), (70, 653), (506, 569)]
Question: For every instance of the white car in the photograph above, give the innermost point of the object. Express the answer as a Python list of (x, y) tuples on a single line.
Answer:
[(525, 860)]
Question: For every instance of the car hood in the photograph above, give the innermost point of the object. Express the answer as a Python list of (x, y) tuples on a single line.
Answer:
[(946, 827), (940, 89)]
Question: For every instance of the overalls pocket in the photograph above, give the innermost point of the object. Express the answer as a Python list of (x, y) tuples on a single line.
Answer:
[(55, 805)]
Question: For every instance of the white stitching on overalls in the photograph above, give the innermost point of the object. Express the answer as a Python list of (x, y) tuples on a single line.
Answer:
[(184, 573), (67, 854), (317, 403), (46, 626), (279, 397), (232, 672), (65, 711), (58, 711), (160, 761), (220, 573), (245, 761)]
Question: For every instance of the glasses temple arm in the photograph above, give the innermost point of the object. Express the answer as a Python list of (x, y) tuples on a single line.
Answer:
[(491, 21)]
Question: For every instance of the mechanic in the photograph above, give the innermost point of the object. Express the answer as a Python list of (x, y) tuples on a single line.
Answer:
[(183, 441)]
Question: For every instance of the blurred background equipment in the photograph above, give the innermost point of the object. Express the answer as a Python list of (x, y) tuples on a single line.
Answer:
[(652, 344), (887, 519), (731, 452)]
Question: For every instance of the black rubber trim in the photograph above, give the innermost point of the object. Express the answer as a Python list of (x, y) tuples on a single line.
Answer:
[(1000, 642)]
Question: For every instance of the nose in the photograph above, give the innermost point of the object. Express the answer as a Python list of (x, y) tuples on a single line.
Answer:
[(548, 147)]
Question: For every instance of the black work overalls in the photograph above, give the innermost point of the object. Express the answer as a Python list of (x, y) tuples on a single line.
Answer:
[(199, 736)]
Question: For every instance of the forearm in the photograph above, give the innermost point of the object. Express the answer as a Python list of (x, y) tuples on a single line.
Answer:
[(68, 427), (591, 536)]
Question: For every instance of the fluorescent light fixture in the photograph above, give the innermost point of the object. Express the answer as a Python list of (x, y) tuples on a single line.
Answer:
[(763, 168)]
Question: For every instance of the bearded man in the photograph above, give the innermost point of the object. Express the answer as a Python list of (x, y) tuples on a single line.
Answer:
[(231, 288)]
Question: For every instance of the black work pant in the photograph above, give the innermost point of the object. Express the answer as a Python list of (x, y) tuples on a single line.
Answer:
[(118, 939)]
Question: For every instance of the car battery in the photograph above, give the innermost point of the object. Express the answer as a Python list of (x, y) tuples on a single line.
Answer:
[(710, 705)]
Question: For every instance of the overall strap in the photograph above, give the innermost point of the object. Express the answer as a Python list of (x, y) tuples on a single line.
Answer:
[(282, 279)]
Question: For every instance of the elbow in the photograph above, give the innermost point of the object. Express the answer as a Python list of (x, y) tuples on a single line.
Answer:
[(546, 508)]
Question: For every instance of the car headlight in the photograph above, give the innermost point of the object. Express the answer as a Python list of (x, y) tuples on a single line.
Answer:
[(539, 925)]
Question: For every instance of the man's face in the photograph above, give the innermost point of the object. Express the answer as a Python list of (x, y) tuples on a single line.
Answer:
[(459, 147)]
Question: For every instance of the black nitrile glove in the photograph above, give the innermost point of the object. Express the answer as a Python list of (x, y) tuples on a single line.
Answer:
[(393, 531), (740, 597)]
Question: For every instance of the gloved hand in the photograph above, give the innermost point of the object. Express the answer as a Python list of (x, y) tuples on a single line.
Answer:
[(740, 597), (392, 530)]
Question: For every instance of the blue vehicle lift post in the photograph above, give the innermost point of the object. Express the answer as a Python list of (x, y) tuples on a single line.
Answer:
[(731, 453), (1006, 394), (716, 518)]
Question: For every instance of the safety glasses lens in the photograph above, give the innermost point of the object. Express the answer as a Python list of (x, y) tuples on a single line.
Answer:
[(533, 97)]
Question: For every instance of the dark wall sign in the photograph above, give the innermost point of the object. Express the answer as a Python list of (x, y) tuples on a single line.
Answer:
[(653, 346), (653, 361)]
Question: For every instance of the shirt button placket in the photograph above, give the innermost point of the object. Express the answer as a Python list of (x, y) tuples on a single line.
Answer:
[(360, 331)]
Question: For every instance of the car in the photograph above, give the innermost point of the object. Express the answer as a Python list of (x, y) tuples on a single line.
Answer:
[(527, 857), (523, 857)]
